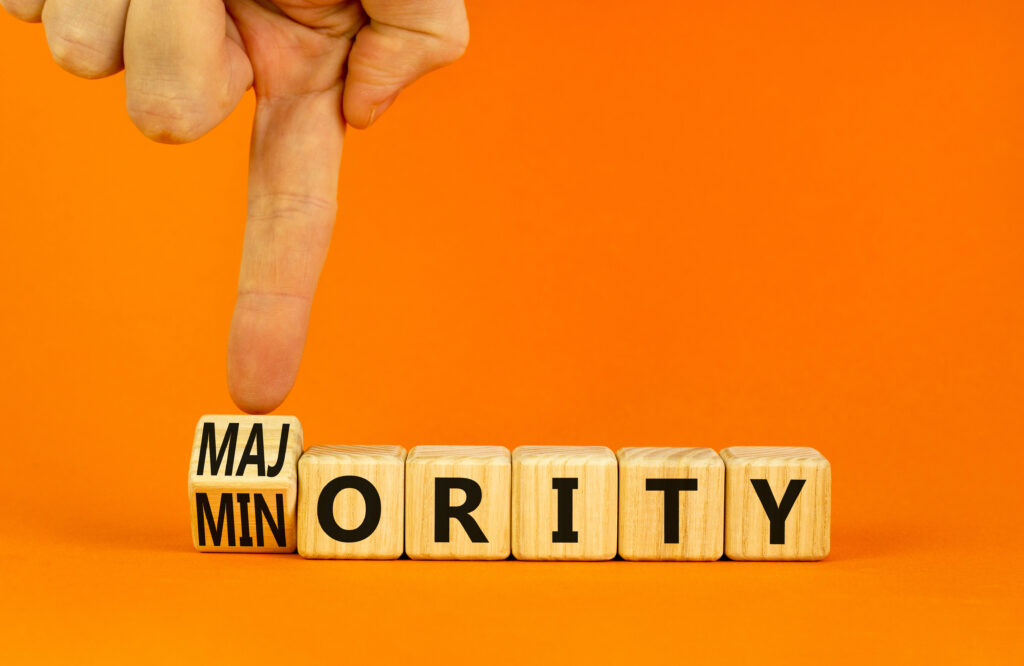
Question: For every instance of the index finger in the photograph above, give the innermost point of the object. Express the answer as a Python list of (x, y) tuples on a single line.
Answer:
[(293, 188), (293, 175)]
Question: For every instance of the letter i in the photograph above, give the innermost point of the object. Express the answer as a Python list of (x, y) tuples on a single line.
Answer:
[(243, 505)]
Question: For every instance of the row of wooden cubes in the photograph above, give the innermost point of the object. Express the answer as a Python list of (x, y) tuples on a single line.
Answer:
[(252, 489)]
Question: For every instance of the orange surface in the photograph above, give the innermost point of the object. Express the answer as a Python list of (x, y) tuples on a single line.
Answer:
[(667, 223)]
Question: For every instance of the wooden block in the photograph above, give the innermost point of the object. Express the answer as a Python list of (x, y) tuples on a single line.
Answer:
[(777, 503), (564, 503), (352, 502), (671, 503), (457, 502), (243, 483)]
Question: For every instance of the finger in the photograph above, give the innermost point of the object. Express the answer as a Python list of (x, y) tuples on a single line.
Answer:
[(86, 37), (293, 187), (404, 40), (26, 10), (293, 175), (183, 71)]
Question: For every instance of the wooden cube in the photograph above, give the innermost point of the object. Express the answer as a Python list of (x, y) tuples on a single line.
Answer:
[(671, 503), (777, 503), (243, 483), (352, 502), (457, 502), (564, 503)]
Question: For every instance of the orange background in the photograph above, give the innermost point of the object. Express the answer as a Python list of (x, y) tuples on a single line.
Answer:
[(610, 223)]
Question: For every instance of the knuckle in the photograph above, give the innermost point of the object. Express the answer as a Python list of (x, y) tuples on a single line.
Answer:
[(77, 52), (167, 118), (24, 10), (292, 206), (455, 43)]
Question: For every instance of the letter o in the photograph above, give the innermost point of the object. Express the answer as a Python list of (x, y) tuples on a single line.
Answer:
[(325, 509)]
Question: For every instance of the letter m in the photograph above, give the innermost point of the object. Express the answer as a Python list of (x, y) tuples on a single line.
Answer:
[(209, 443), (225, 517)]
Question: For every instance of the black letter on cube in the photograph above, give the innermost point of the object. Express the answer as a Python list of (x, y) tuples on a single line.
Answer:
[(444, 511), (565, 533), (672, 488), (777, 513), (325, 509)]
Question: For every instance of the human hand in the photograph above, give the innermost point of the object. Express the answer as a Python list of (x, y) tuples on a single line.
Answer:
[(314, 64)]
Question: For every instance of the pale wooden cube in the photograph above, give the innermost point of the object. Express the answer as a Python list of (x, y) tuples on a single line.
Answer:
[(352, 502), (564, 503), (778, 503), (671, 503), (243, 483), (457, 502)]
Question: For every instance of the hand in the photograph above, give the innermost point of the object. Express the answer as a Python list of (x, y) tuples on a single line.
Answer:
[(314, 64)]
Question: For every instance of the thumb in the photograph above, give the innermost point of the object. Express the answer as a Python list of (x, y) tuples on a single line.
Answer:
[(404, 40)]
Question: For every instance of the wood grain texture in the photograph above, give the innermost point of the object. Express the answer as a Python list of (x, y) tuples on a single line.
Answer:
[(747, 526), (535, 502), (243, 483), (643, 532), (488, 466), (381, 466)]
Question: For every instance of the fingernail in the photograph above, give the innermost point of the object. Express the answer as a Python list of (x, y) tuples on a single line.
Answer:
[(380, 108)]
